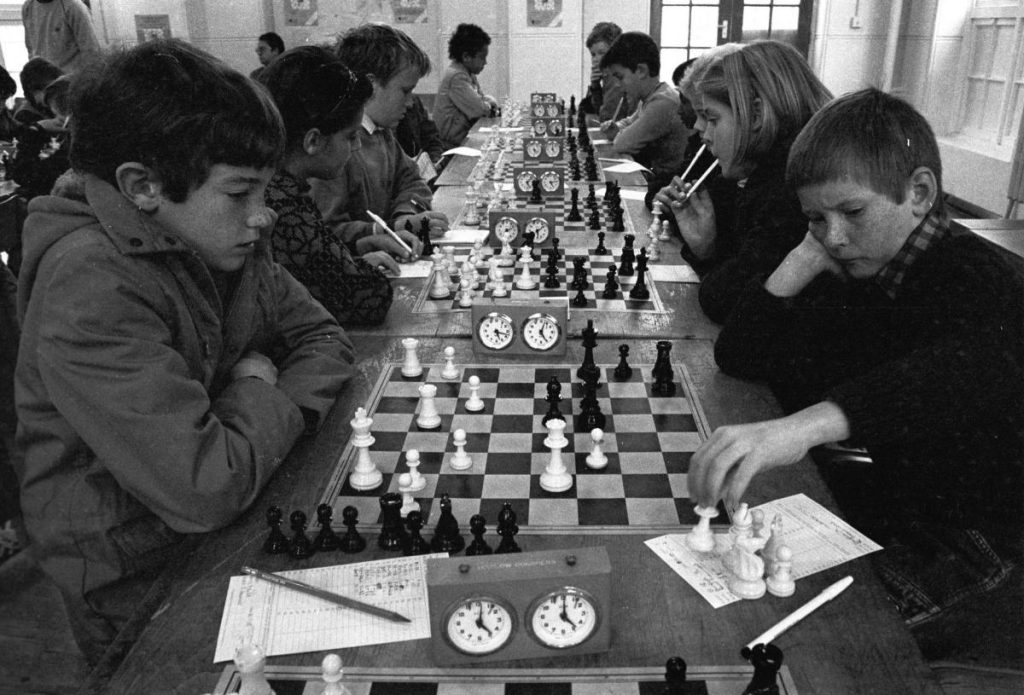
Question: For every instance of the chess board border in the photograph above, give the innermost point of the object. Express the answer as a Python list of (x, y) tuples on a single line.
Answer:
[(340, 472), (727, 680)]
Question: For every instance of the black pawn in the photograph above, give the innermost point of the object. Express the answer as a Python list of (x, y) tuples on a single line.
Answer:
[(662, 371), (600, 250), (552, 281), (623, 371), (507, 529), (554, 397), (446, 534), (415, 544), (595, 219), (574, 211), (675, 676), (327, 539), (611, 285), (351, 542), (276, 542), (300, 547), (580, 300), (767, 660), (477, 526), (579, 274), (535, 194), (392, 530)]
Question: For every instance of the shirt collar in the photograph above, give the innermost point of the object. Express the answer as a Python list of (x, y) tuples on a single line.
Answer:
[(934, 227), (369, 125)]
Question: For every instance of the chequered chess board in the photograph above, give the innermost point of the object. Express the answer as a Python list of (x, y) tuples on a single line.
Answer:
[(648, 441)]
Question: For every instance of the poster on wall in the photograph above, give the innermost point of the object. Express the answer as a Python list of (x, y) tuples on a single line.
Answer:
[(300, 13), (152, 26), (410, 11), (544, 13)]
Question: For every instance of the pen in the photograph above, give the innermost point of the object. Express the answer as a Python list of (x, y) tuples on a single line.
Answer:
[(698, 182), (390, 231), (618, 109), (326, 595), (799, 614), (693, 161), (418, 205)]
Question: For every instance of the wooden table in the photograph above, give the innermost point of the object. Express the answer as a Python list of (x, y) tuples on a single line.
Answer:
[(1007, 233), (855, 644)]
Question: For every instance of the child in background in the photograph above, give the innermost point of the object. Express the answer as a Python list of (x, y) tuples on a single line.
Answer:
[(321, 102), (8, 126), (42, 152), (167, 364), (460, 101), (36, 74), (751, 103), (604, 95)]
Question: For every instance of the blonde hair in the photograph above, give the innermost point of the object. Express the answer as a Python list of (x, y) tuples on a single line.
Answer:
[(700, 66)]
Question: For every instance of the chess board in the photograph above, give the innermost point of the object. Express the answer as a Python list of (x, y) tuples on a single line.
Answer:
[(707, 680), (648, 441)]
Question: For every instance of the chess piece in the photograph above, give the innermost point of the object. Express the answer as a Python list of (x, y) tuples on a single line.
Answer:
[(351, 542), (428, 245), (327, 539), (594, 222), (409, 503), (415, 545), (597, 459), (331, 673), (662, 370), (780, 581), (675, 676), (446, 534), (450, 371), (589, 371), (439, 287), (556, 477), (747, 580), (774, 534), (700, 538), (623, 371), (574, 209), (507, 529), (757, 522), (640, 291), (553, 398), (300, 547), (580, 300), (460, 460), (477, 527), (365, 475), (276, 542), (412, 460), (252, 664), (552, 281), (601, 250), (590, 416), (627, 256), (767, 660), (466, 295), (525, 280), (428, 419), (611, 285), (392, 532), (579, 274), (740, 523), (411, 367), (474, 403)]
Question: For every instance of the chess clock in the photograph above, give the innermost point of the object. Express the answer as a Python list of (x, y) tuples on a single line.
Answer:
[(519, 325), (543, 149), (543, 98), (540, 228), (519, 606), (538, 110), (552, 180), (533, 148), (540, 125), (509, 225)]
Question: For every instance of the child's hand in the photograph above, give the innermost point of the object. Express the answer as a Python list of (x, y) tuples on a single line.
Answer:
[(806, 261), (438, 222), (387, 244), (382, 260), (609, 127), (696, 220), (255, 364)]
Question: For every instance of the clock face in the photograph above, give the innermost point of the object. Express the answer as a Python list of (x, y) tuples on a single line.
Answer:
[(538, 110), (496, 331), (539, 128), (552, 110), (552, 148), (533, 148), (563, 618), (525, 181), (506, 229), (541, 331), (555, 128), (479, 625), (540, 229), (549, 181)]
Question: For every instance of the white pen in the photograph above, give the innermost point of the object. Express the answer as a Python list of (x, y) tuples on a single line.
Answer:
[(799, 614), (697, 183), (376, 218), (693, 161)]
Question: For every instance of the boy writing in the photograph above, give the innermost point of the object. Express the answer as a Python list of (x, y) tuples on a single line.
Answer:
[(167, 364)]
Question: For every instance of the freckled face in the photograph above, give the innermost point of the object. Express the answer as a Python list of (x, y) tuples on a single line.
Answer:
[(717, 127)]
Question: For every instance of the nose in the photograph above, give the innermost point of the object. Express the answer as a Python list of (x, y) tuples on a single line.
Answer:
[(835, 235), (700, 125)]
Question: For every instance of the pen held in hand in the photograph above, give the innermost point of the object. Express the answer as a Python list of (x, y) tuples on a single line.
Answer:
[(326, 595), (693, 161), (618, 109), (698, 182), (384, 225)]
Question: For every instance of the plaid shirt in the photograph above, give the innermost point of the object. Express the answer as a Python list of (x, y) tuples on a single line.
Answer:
[(933, 227)]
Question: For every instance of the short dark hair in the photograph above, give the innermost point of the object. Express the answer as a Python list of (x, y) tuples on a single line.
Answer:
[(273, 40), (7, 85), (35, 75), (380, 51), (869, 137), (468, 38), (174, 109), (58, 91), (604, 31), (631, 49), (312, 88), (680, 70)]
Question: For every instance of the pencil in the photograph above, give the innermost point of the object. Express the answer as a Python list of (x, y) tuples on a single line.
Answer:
[(390, 231), (693, 161), (699, 181), (800, 613), (418, 205), (618, 108), (326, 595)]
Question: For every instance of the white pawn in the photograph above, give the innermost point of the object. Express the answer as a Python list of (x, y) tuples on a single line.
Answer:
[(332, 673), (251, 664), (596, 458), (665, 234), (449, 259), (499, 289), (466, 298), (556, 477), (757, 523), (700, 538), (460, 460), (474, 403), (412, 460), (780, 582), (411, 367), (428, 418), (405, 487), (450, 371)]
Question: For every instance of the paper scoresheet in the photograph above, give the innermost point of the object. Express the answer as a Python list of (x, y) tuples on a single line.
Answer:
[(284, 621), (818, 538)]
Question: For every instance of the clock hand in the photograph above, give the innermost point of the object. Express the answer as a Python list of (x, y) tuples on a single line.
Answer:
[(565, 614), (480, 621)]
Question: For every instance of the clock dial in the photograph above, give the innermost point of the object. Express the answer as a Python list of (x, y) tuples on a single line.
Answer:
[(555, 128), (538, 110), (533, 148), (540, 229), (552, 148), (549, 181), (525, 181), (506, 229), (541, 331), (479, 625), (539, 128), (563, 618), (552, 110), (496, 331)]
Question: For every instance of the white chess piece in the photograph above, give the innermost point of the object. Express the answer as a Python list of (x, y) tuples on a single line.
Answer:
[(365, 475), (741, 523), (409, 504), (411, 367), (474, 403), (494, 272), (460, 460), (596, 459), (412, 460), (700, 538), (332, 673), (506, 258), (449, 259), (439, 288), (747, 568), (450, 371), (466, 298), (525, 280), (757, 523), (773, 532), (556, 478), (780, 582), (428, 418), (499, 289), (251, 664), (664, 234)]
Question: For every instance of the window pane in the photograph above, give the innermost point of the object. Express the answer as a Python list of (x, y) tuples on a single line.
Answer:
[(1016, 108), (975, 97), (990, 109), (670, 58), (756, 19), (984, 42), (12, 39), (704, 27), (675, 26), (785, 19), (1002, 52)]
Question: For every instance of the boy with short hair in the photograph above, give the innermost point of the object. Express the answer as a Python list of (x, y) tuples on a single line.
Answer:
[(167, 364), (460, 100), (268, 47), (380, 177), (605, 92), (889, 330)]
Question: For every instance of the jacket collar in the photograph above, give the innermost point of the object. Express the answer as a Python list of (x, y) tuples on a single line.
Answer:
[(131, 230)]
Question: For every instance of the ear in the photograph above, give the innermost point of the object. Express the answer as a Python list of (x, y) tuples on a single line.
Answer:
[(924, 189), (313, 141), (138, 184), (643, 71)]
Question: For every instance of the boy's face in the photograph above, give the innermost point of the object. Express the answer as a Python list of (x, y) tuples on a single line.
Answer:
[(221, 219), (597, 51), (389, 101), (265, 53), (475, 63), (629, 79), (337, 151), (861, 229), (717, 127)]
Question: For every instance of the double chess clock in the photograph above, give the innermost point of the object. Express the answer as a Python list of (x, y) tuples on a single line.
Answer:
[(510, 326), (519, 606)]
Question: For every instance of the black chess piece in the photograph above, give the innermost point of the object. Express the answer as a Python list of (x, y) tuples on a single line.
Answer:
[(623, 371), (535, 195), (392, 530), (553, 258), (276, 542), (507, 529), (327, 539), (528, 239), (627, 256), (589, 371), (300, 546), (594, 222), (611, 285), (415, 545), (640, 290), (428, 245), (618, 222), (351, 542), (553, 398), (555, 252), (477, 526), (767, 660), (601, 250), (572, 108), (590, 409), (552, 281), (662, 371), (579, 274), (580, 300), (675, 676), (446, 534), (574, 209), (591, 201)]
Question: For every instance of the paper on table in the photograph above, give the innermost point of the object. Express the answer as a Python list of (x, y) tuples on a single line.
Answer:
[(426, 167), (818, 538), (416, 269), (467, 151), (283, 621), (625, 168), (464, 235), (679, 272), (631, 193), (599, 141)]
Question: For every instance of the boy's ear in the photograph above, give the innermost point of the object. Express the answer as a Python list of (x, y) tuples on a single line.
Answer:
[(924, 189), (643, 71), (138, 183), (313, 141)]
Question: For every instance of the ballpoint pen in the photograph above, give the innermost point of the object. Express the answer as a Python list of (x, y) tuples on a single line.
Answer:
[(799, 614), (376, 218)]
